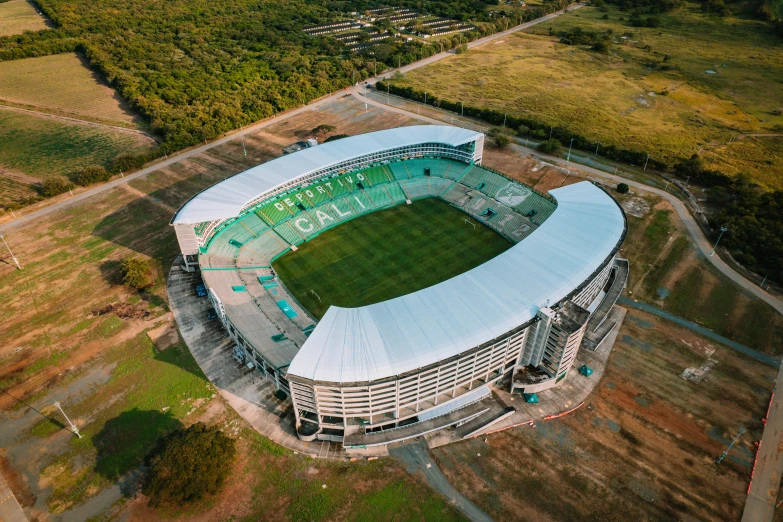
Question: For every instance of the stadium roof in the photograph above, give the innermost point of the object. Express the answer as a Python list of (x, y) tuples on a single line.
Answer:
[(416, 330), (227, 198)]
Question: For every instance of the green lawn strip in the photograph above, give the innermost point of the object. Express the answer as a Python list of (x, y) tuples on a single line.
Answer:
[(148, 395), (386, 254), (658, 273)]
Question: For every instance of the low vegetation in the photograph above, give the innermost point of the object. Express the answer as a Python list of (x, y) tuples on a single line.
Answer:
[(18, 16), (136, 272), (189, 464)]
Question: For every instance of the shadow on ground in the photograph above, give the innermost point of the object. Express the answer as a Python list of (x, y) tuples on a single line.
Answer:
[(125, 440)]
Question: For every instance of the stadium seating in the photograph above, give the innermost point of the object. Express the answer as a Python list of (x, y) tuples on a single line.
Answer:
[(395, 192), (457, 170), (276, 214), (289, 233), (399, 170), (317, 194), (379, 197), (457, 194), (261, 251), (376, 175), (416, 188), (438, 186), (536, 208), (483, 180), (360, 202), (336, 187)]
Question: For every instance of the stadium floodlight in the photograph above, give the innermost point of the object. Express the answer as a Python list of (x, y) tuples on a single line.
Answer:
[(74, 429), (16, 261), (722, 230)]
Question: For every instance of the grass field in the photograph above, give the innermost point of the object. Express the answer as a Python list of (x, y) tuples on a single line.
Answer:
[(35, 147), (643, 447), (386, 254), (62, 83), (617, 98), (124, 393), (18, 16)]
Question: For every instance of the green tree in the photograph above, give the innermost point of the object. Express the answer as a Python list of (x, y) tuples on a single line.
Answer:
[(135, 272), (623, 188), (550, 146), (189, 464), (54, 186), (92, 174), (322, 130), (502, 141)]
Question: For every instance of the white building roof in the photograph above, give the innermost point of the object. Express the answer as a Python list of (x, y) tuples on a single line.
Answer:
[(227, 198), (416, 330)]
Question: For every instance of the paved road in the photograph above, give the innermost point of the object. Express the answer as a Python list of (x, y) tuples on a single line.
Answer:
[(682, 211), (174, 158), (159, 164), (760, 506), (750, 352), (415, 456), (10, 510)]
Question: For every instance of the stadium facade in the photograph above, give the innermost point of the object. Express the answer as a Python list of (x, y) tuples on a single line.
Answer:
[(359, 374)]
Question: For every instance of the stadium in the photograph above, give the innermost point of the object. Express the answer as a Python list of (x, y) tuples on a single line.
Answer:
[(278, 248)]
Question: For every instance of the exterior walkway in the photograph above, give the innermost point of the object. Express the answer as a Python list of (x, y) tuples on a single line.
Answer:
[(10, 510), (250, 394), (415, 456)]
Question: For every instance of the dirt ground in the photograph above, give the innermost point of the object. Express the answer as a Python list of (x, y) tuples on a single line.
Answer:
[(642, 448)]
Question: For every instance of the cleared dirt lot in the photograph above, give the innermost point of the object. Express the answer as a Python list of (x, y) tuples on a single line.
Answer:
[(642, 448)]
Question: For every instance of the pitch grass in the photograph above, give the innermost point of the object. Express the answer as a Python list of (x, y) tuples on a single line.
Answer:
[(18, 16), (386, 254), (607, 97), (64, 84)]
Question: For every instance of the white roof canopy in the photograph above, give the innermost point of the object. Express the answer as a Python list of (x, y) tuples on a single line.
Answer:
[(419, 329), (227, 198)]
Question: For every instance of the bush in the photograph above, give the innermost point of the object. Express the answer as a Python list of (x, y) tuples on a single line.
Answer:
[(54, 186), (135, 272), (335, 137), (126, 162), (550, 146), (601, 46), (92, 174), (502, 141), (623, 188), (461, 49), (322, 129), (189, 464)]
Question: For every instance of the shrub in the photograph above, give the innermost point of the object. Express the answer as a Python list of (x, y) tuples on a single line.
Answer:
[(623, 188), (92, 174), (126, 162), (550, 146), (601, 46), (461, 49), (322, 129), (189, 464), (335, 137), (55, 185), (502, 141), (135, 272)]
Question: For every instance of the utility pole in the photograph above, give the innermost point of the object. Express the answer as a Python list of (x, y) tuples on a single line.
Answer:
[(74, 429), (645, 162), (16, 261), (596, 148), (244, 150), (722, 230), (666, 187), (723, 455), (461, 109), (425, 98), (568, 158), (763, 281), (388, 99), (504, 120), (686, 182)]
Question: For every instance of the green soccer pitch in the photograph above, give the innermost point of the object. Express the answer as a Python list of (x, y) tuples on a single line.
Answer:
[(386, 254)]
